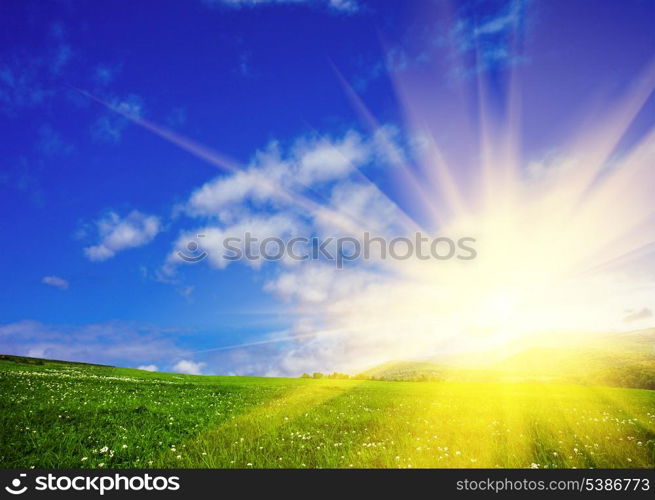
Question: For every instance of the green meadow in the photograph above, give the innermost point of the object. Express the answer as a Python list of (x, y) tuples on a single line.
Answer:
[(56, 414)]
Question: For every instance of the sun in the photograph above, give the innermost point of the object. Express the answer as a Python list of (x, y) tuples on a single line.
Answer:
[(502, 305)]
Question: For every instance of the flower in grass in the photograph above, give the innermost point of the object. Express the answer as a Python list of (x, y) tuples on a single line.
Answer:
[(534, 466)]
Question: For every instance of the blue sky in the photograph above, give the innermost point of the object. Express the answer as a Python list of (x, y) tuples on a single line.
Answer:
[(100, 184)]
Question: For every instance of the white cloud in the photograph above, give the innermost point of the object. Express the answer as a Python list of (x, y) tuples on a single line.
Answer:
[(148, 368), (257, 183), (275, 178), (110, 126), (362, 203), (325, 160), (344, 6), (502, 21), (387, 149), (118, 234), (113, 342), (275, 196), (644, 313), (312, 188), (188, 367), (186, 291), (319, 283), (132, 105), (488, 38), (55, 281), (104, 74), (214, 238)]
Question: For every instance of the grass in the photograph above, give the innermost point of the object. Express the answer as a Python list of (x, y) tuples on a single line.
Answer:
[(85, 416)]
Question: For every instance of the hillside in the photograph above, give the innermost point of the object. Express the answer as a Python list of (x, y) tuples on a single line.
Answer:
[(74, 415), (616, 359)]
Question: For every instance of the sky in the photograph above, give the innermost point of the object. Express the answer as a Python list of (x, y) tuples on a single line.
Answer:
[(130, 128)]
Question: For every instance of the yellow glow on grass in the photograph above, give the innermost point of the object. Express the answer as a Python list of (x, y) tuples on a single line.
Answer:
[(352, 424)]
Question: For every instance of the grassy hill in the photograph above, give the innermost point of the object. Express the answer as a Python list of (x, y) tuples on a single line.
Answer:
[(408, 370), (73, 415), (622, 360)]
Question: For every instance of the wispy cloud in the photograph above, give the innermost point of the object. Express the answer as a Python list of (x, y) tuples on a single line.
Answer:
[(55, 281), (396, 59), (480, 37), (267, 199), (113, 342), (21, 84), (50, 142), (104, 73), (148, 368), (342, 6), (110, 126), (189, 367), (245, 65), (61, 58), (488, 39), (22, 175), (119, 233), (275, 195), (28, 79), (310, 162), (349, 6), (644, 313), (187, 292)]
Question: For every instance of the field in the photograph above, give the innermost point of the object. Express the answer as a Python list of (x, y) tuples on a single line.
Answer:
[(85, 416)]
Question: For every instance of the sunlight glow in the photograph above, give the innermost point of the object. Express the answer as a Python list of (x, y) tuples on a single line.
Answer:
[(558, 241)]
